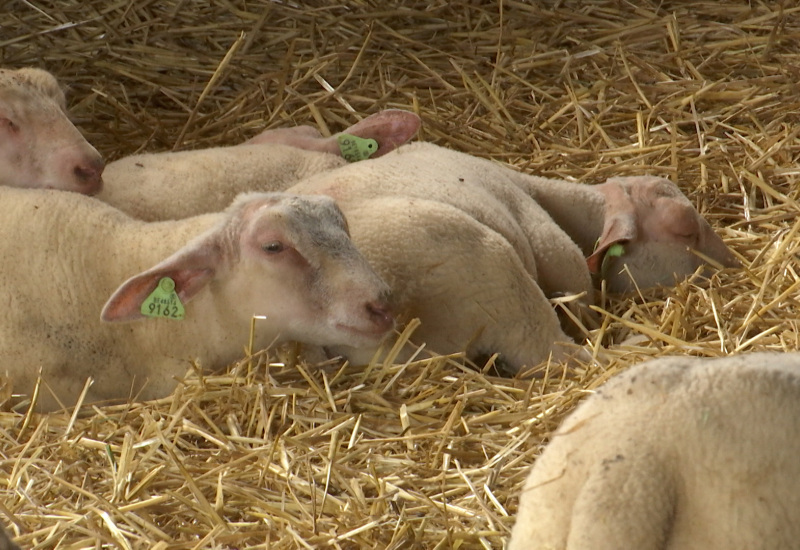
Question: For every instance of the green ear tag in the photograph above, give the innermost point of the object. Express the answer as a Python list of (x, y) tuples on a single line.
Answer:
[(354, 148), (164, 302), (614, 251)]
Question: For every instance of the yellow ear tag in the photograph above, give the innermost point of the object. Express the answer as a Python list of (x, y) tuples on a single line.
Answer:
[(164, 302), (614, 251), (354, 148)]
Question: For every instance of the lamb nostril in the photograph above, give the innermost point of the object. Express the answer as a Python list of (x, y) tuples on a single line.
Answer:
[(89, 174), (84, 173), (381, 314), (89, 170)]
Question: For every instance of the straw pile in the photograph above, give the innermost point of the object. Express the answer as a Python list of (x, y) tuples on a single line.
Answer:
[(430, 454)]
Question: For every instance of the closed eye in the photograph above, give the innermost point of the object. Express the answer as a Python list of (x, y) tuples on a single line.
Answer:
[(687, 237)]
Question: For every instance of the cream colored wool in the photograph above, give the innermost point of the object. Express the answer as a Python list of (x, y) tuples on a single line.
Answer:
[(277, 255), (676, 453), (540, 250)]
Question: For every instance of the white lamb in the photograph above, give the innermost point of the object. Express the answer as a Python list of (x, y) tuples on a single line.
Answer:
[(462, 279), (163, 186), (563, 223), (401, 231), (63, 254), (676, 453), (548, 226), (39, 146), (657, 224), (656, 228)]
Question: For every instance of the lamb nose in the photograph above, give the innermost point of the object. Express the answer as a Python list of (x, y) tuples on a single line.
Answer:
[(381, 315), (89, 174)]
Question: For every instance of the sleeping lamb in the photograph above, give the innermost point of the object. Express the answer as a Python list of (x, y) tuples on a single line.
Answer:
[(657, 224), (39, 146), (462, 279), (676, 453), (63, 254), (545, 225), (553, 232), (401, 233), (186, 183)]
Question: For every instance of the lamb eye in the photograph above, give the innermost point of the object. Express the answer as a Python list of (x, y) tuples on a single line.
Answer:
[(274, 247), (9, 124)]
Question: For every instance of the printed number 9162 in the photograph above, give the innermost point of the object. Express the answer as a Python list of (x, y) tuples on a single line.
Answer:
[(163, 310)]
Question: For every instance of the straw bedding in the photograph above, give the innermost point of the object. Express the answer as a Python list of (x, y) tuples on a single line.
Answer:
[(429, 454)]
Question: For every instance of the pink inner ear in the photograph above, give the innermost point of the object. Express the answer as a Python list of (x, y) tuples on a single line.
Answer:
[(125, 303), (620, 227), (619, 221), (594, 261), (189, 282), (390, 128)]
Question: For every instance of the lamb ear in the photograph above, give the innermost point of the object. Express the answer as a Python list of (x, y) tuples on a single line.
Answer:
[(126, 302), (616, 230), (191, 269), (619, 223), (390, 128)]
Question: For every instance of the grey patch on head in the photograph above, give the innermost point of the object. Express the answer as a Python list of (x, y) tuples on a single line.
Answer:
[(324, 223), (310, 218)]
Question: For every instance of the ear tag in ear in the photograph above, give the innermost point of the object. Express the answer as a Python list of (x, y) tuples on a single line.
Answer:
[(614, 251), (164, 302), (354, 148)]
